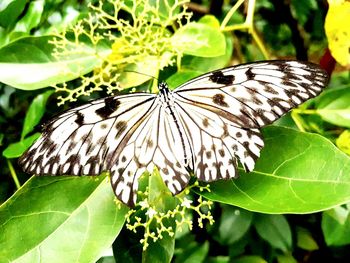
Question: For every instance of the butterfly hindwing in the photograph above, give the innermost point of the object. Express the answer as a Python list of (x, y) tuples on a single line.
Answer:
[(155, 142), (217, 142)]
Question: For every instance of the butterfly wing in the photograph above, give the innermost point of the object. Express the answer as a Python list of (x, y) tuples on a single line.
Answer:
[(125, 135), (154, 142), (255, 94), (224, 110), (211, 122), (89, 139)]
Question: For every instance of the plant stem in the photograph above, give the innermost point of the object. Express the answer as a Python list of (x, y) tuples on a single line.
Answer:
[(13, 174), (230, 13), (247, 25)]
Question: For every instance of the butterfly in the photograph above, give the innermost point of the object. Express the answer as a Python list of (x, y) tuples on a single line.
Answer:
[(201, 128)]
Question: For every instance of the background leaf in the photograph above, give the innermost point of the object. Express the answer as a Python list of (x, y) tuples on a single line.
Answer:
[(10, 10), (35, 112), (28, 64), (16, 149), (234, 223), (336, 226), (334, 106), (275, 230), (199, 40)]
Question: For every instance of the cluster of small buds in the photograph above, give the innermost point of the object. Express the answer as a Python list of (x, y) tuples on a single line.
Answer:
[(157, 223), (145, 40)]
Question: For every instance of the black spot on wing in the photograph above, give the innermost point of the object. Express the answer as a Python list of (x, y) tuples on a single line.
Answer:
[(219, 78), (121, 127), (111, 105), (165, 171), (250, 75), (219, 99), (205, 122), (80, 119), (149, 143)]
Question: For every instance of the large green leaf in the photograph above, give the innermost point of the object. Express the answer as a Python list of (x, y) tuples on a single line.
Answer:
[(296, 173), (28, 63), (59, 219)]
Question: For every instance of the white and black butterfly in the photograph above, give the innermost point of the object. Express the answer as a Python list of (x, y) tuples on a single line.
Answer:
[(202, 127)]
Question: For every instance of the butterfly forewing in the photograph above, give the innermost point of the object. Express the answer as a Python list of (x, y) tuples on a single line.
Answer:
[(255, 94), (84, 140), (203, 127)]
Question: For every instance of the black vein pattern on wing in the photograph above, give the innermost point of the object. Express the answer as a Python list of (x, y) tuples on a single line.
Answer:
[(224, 113), (63, 118), (131, 131), (311, 68), (254, 110), (200, 165), (186, 112)]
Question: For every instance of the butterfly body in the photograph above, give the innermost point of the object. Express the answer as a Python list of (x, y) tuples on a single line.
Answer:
[(202, 128)]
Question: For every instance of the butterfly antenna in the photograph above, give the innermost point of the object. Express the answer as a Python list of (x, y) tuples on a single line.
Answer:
[(132, 71)]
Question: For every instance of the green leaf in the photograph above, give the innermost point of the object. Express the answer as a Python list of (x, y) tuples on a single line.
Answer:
[(160, 251), (336, 226), (305, 240), (334, 106), (137, 73), (194, 253), (35, 112), (10, 10), (303, 9), (108, 259), (219, 259), (31, 18), (234, 223), (28, 64), (60, 219), (296, 173), (159, 194), (199, 40), (161, 198), (16, 149), (127, 247), (210, 20), (203, 65), (181, 77), (343, 142), (166, 7), (250, 259), (286, 259), (275, 230)]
